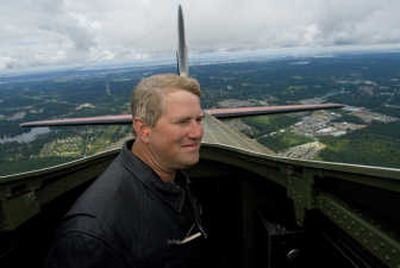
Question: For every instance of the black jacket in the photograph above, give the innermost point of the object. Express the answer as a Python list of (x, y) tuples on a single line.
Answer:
[(128, 218)]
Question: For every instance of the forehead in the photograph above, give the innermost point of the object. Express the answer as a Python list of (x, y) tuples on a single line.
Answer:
[(181, 101), (179, 96)]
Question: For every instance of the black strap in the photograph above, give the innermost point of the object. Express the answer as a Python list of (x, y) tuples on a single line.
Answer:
[(195, 208)]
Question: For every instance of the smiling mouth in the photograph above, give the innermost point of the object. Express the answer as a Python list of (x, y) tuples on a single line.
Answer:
[(192, 145)]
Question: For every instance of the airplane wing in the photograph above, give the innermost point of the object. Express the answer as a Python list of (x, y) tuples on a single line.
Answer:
[(217, 112), (263, 110), (82, 121)]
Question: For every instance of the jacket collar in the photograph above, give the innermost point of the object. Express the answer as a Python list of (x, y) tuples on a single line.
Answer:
[(173, 194)]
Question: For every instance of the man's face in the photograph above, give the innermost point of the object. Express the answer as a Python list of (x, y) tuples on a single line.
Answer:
[(175, 139)]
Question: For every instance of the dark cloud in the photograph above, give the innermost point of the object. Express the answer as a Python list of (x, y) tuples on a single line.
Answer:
[(66, 31)]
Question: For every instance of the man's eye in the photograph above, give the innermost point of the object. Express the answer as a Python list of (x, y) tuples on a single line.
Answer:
[(183, 122)]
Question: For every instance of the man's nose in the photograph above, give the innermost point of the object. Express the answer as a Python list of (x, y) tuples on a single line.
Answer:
[(196, 130)]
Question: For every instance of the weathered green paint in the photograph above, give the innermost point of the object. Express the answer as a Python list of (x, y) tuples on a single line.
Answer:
[(378, 242), (300, 189), (23, 195), (17, 210)]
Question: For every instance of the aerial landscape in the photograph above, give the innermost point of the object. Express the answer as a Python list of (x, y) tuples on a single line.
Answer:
[(365, 131), (69, 59), (316, 187)]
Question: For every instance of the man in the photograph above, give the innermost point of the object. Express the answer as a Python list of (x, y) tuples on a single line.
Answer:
[(140, 211)]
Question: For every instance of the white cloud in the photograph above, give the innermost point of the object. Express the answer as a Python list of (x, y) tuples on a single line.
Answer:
[(40, 32)]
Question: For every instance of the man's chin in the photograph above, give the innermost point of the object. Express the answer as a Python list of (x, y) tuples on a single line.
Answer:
[(190, 162)]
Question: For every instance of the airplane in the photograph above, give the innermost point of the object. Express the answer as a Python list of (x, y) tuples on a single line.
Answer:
[(260, 209)]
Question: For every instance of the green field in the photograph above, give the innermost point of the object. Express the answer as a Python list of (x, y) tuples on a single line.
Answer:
[(367, 81), (378, 145)]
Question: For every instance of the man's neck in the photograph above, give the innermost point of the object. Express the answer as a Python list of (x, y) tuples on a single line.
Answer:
[(143, 154)]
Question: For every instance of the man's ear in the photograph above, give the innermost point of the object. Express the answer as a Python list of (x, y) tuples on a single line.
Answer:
[(142, 130)]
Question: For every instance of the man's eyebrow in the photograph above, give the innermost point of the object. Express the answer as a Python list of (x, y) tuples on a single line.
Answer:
[(184, 118), (181, 118)]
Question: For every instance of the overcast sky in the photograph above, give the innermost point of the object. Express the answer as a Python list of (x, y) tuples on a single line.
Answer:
[(53, 32)]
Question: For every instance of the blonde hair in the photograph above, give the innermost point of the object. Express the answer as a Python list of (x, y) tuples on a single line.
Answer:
[(148, 96)]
